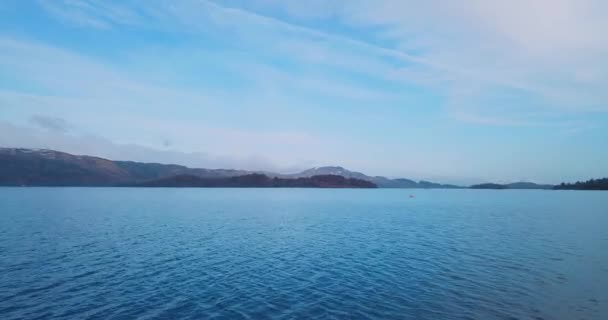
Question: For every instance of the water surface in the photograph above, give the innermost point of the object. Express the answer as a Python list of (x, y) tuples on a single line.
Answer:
[(120, 253)]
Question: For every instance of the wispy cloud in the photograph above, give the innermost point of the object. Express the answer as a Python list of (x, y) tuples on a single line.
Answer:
[(551, 49), (336, 81), (95, 14), (131, 110)]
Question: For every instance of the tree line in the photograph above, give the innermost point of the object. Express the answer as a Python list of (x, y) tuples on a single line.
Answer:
[(593, 184)]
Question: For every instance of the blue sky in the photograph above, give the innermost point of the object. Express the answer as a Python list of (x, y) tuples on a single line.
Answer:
[(463, 91)]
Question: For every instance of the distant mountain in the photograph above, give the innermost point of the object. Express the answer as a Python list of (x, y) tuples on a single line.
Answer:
[(433, 185), (593, 184), (489, 186), (528, 185), (147, 171), (53, 168), (381, 182), (395, 183), (35, 167), (258, 181), (515, 185), (39, 167), (331, 170)]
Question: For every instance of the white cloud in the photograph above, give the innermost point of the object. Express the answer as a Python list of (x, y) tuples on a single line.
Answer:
[(535, 46), (552, 49), (490, 63)]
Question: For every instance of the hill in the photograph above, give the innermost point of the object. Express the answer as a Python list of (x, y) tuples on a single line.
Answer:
[(489, 186), (593, 184), (528, 185), (381, 182), (258, 181), (515, 185), (39, 167)]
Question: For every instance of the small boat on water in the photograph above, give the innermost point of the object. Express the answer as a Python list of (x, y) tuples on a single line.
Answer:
[(412, 196)]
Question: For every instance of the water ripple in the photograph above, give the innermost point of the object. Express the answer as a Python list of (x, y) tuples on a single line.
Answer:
[(301, 254)]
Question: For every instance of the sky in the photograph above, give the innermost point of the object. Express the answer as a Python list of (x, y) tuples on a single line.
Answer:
[(451, 91)]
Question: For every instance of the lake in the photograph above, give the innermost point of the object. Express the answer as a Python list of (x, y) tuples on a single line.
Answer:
[(122, 253)]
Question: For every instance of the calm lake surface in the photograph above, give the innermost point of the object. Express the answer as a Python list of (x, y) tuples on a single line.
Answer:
[(120, 253)]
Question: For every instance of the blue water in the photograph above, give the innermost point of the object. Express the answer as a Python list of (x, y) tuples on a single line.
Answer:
[(120, 253)]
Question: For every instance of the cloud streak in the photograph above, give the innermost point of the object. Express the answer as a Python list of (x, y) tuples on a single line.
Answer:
[(552, 49), (341, 82)]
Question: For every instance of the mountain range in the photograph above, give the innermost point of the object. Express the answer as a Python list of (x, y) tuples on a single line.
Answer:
[(381, 182), (42, 167), (55, 168), (516, 185), (257, 180)]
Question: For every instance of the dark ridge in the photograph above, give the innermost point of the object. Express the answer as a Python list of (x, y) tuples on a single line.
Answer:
[(257, 181), (489, 186), (515, 185), (593, 184), (34, 167), (39, 167), (528, 185)]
